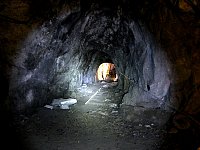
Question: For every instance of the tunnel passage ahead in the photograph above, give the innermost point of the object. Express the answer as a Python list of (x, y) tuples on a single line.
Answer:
[(61, 54), (107, 72), (66, 58), (59, 57)]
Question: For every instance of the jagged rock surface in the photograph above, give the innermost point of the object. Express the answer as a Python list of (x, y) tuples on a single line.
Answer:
[(52, 56)]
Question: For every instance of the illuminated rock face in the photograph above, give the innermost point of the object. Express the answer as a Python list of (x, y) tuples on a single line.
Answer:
[(153, 60), (62, 55)]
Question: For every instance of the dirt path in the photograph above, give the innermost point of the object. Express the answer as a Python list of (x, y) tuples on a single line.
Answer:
[(89, 130), (99, 125)]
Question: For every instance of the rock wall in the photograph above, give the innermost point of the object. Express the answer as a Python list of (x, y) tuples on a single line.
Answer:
[(63, 54), (157, 60)]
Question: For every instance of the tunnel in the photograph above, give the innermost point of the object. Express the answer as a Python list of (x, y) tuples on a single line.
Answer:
[(107, 72), (94, 74)]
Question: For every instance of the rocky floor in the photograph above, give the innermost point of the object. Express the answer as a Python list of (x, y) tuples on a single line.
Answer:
[(96, 125), (89, 130)]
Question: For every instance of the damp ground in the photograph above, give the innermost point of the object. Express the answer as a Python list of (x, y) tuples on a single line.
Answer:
[(95, 125)]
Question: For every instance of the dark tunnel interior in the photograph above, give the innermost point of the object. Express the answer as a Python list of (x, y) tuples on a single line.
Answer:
[(100, 75)]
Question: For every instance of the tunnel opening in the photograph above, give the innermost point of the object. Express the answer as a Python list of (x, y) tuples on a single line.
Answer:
[(107, 72)]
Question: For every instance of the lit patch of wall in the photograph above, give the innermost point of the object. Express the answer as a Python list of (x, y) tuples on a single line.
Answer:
[(106, 71), (185, 6), (29, 96)]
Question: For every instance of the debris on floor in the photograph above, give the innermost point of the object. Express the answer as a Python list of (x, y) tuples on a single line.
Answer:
[(62, 103), (48, 106)]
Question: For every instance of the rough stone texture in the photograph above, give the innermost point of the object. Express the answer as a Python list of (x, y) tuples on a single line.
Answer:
[(63, 54), (154, 46)]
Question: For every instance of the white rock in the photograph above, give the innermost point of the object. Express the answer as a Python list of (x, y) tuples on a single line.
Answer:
[(114, 111), (84, 85), (147, 126), (64, 103), (112, 105), (48, 106), (64, 107)]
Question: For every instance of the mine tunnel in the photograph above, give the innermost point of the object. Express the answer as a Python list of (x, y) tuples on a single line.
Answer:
[(107, 72), (94, 75)]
